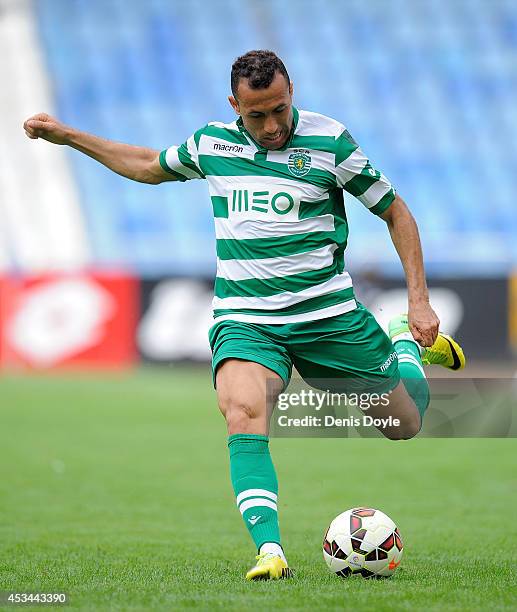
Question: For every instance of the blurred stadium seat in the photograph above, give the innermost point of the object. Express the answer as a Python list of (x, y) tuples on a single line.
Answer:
[(427, 88)]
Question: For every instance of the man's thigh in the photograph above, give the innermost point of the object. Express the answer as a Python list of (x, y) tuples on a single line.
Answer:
[(262, 344), (350, 352), (250, 368)]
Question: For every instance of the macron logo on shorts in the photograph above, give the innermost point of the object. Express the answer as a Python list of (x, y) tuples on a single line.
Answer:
[(388, 362)]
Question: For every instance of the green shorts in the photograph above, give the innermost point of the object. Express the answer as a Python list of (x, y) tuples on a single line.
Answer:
[(349, 352)]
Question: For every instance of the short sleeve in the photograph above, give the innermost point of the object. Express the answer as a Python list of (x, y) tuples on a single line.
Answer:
[(183, 161), (357, 176)]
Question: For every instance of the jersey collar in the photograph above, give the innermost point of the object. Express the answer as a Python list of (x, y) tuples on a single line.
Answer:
[(296, 116)]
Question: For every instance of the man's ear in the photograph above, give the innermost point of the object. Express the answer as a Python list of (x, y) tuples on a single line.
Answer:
[(234, 104), (291, 88)]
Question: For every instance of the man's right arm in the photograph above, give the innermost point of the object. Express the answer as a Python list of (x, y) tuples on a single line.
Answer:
[(136, 163)]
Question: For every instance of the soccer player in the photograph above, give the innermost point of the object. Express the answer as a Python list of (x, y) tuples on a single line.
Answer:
[(283, 296)]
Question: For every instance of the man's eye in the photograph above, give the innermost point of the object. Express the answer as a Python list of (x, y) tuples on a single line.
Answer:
[(280, 110)]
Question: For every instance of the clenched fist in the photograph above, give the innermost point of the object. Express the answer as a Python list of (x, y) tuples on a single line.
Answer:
[(46, 127), (423, 323)]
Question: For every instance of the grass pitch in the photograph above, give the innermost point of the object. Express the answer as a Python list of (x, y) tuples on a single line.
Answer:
[(115, 489)]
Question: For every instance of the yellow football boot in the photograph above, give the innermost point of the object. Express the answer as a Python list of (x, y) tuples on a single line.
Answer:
[(269, 567), (445, 352)]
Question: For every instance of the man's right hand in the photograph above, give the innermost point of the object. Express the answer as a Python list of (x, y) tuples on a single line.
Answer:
[(136, 163), (46, 127)]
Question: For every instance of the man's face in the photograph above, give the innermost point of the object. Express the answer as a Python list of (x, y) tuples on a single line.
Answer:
[(267, 113)]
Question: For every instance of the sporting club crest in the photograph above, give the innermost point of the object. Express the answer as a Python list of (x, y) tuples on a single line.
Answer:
[(299, 162)]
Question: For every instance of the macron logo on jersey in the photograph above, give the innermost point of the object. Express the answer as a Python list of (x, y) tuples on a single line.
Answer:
[(227, 147)]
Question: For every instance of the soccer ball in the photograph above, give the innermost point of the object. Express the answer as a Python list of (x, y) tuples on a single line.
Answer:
[(362, 541)]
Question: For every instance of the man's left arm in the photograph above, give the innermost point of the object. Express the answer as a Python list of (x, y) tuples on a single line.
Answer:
[(357, 176), (423, 321)]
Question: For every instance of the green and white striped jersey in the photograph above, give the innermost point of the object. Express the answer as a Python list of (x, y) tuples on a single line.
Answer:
[(280, 221)]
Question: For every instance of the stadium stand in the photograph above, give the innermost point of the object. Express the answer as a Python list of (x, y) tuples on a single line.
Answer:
[(425, 87), (41, 221)]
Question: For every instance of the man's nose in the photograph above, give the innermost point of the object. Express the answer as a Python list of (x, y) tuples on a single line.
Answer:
[(270, 125)]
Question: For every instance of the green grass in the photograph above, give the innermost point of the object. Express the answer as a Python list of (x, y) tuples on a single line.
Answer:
[(115, 489)]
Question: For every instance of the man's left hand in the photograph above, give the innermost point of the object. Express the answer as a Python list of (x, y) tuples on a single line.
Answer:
[(423, 323)]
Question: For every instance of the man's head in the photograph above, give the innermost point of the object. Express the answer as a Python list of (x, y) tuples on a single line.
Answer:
[(263, 96)]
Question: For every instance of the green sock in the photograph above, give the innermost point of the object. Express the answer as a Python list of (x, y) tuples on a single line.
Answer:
[(255, 485), (412, 373)]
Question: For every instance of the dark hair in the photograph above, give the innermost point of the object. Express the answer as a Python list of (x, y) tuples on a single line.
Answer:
[(259, 68)]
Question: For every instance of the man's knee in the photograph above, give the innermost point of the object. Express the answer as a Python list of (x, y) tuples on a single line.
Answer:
[(238, 412), (408, 428), (242, 392), (403, 408)]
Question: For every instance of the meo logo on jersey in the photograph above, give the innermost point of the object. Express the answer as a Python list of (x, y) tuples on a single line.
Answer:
[(249, 201), (299, 162)]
